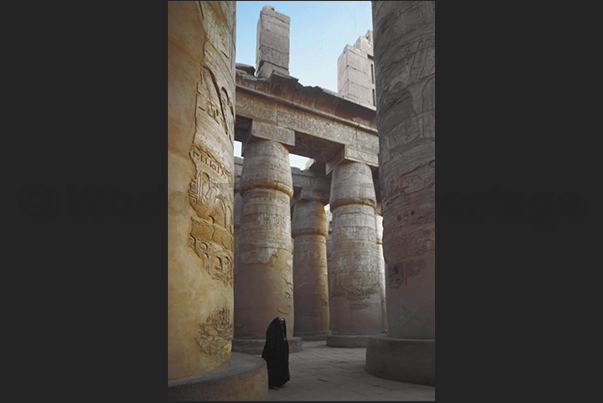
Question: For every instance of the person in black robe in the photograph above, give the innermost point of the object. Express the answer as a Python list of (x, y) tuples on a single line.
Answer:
[(276, 353)]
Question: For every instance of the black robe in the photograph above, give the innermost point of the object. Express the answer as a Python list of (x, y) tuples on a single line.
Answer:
[(276, 353)]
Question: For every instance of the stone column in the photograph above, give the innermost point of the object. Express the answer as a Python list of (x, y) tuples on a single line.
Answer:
[(404, 45), (264, 282), (381, 268), (310, 283), (201, 94), (354, 278), (329, 257)]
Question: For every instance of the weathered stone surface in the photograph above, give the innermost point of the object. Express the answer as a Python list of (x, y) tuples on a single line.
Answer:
[(272, 49), (201, 99), (402, 360), (244, 378), (404, 47), (256, 346), (405, 62), (323, 122), (269, 131), (355, 72), (264, 282), (353, 273), (309, 230)]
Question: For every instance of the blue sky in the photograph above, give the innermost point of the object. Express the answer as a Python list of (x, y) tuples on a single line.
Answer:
[(318, 33)]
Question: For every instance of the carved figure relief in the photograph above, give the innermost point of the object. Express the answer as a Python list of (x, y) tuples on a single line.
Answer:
[(217, 258), (419, 178), (208, 198), (208, 100), (214, 335), (229, 116)]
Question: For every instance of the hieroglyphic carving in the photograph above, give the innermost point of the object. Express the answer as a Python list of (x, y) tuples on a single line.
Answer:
[(209, 197), (212, 231), (260, 255), (402, 271), (418, 61), (214, 247), (214, 335), (208, 99), (420, 177)]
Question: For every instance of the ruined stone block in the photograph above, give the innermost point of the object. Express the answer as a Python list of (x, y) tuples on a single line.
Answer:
[(272, 42)]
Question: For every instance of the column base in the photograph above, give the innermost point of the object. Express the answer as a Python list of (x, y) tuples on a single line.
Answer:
[(256, 346), (244, 378), (403, 360), (313, 336), (347, 340)]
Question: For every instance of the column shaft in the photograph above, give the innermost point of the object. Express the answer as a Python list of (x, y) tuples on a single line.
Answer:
[(354, 278), (201, 94), (406, 124), (264, 282), (309, 230), (404, 49)]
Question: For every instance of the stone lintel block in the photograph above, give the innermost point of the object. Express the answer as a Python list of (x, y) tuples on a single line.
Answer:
[(267, 131), (359, 155), (349, 153)]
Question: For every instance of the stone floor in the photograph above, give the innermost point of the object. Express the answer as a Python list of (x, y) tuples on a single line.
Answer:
[(320, 372)]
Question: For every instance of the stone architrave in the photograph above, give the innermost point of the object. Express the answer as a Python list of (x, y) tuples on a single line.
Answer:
[(354, 276), (264, 281), (311, 293), (404, 48)]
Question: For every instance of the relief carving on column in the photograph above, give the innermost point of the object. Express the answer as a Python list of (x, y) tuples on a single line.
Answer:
[(212, 230), (402, 271), (214, 335)]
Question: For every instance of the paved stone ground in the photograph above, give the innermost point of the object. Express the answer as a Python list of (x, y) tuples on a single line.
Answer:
[(320, 372)]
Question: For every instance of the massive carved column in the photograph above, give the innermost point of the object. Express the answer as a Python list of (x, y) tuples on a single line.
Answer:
[(201, 95), (200, 168), (404, 45), (354, 278), (309, 229), (264, 283)]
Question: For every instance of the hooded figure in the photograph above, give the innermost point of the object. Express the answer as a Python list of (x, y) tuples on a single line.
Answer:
[(276, 353)]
